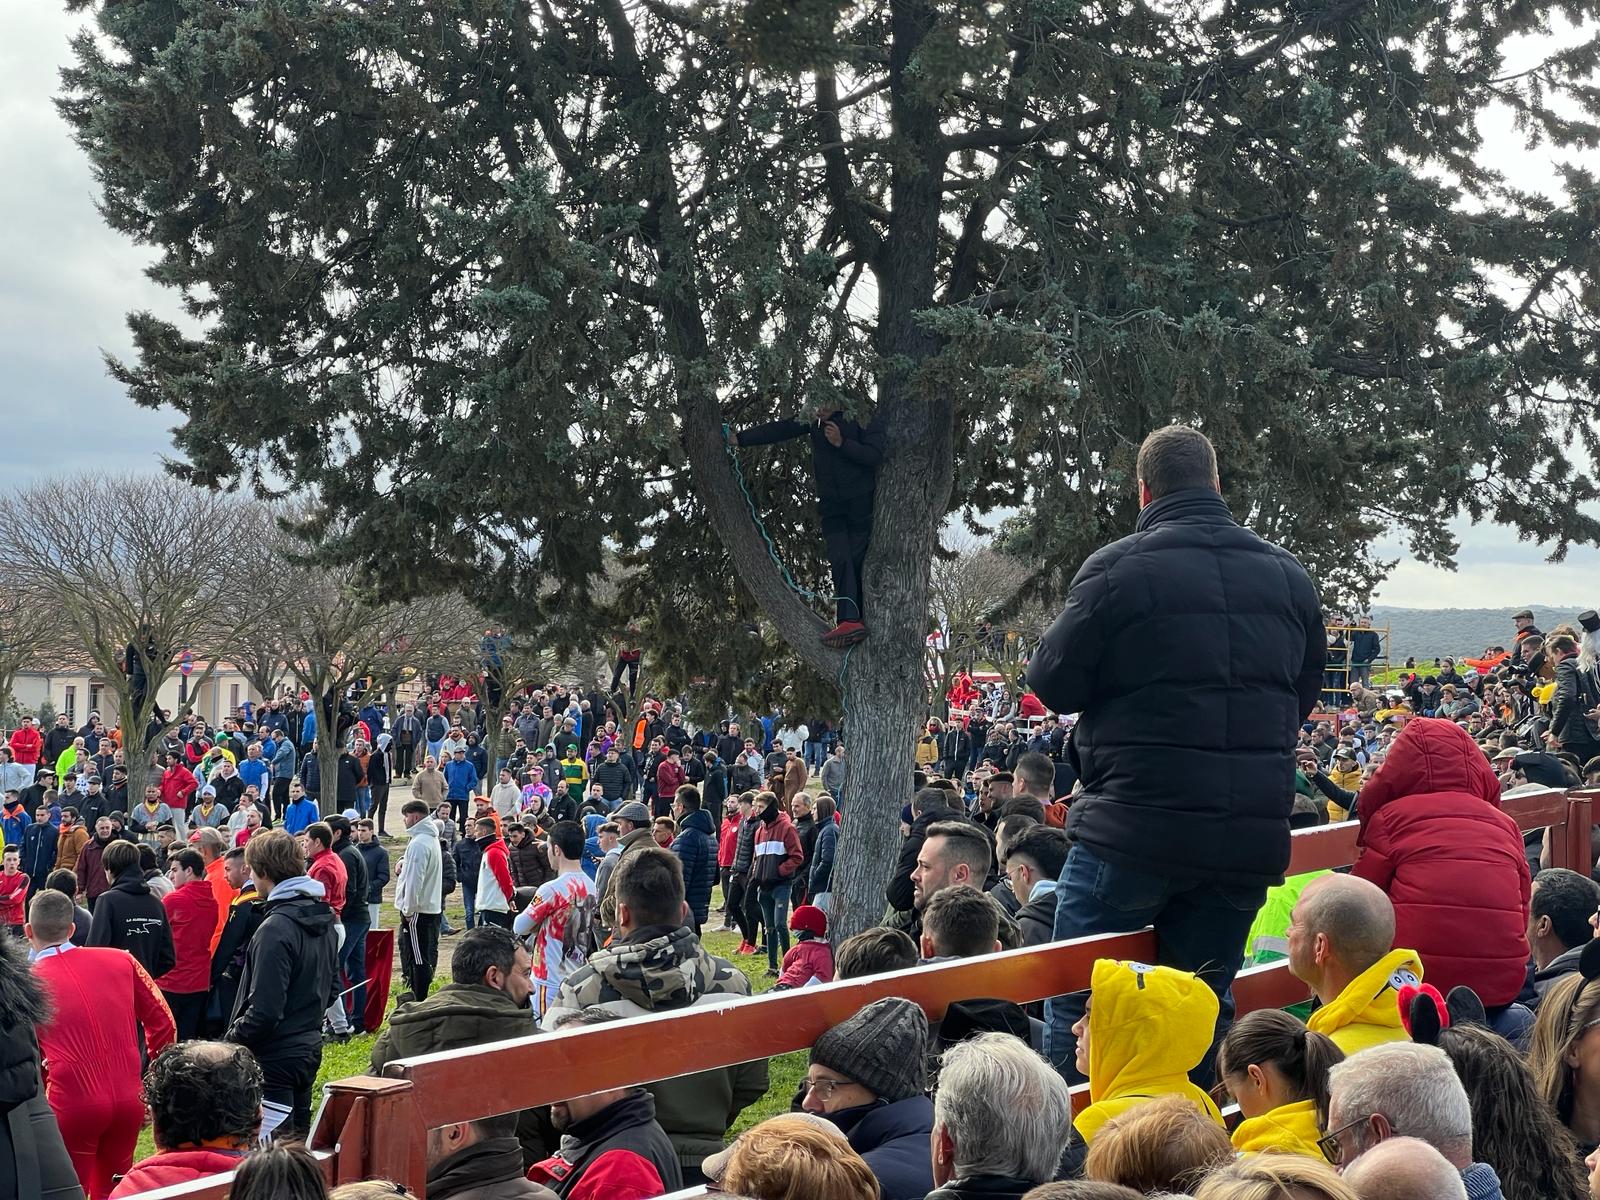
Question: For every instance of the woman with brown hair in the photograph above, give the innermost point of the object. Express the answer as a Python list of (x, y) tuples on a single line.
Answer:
[(789, 1158), (1277, 1071), (1513, 1130), (1275, 1177), (1164, 1145)]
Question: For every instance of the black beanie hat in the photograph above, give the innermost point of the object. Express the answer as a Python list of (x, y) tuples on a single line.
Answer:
[(883, 1048)]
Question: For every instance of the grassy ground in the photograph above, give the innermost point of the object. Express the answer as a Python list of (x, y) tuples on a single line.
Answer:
[(354, 1057)]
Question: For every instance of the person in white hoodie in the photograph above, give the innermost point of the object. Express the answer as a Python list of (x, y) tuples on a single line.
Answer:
[(506, 796), (419, 896)]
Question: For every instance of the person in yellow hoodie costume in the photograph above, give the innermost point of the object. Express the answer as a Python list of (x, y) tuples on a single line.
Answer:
[(1277, 1072), (1145, 1029), (1340, 935)]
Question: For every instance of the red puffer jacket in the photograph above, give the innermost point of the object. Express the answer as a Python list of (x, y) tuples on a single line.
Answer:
[(1433, 837)]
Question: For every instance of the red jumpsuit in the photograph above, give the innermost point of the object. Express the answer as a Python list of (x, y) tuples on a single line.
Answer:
[(99, 997)]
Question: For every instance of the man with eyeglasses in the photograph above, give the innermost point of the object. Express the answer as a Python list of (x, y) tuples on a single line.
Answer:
[(1403, 1090), (868, 1076)]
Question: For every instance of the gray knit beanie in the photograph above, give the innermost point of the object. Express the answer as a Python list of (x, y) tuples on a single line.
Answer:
[(883, 1048)]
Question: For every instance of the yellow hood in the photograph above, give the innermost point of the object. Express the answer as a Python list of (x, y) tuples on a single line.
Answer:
[(1148, 1026), (1290, 1129), (1367, 1012)]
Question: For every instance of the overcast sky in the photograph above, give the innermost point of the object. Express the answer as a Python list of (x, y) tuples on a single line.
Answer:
[(69, 281)]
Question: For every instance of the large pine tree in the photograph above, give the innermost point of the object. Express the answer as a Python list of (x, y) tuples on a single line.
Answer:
[(487, 277)]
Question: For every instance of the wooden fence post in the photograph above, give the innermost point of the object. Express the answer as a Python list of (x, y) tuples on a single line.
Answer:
[(375, 1130)]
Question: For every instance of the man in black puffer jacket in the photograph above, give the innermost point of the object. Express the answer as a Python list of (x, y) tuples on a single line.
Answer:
[(1193, 650), (290, 977)]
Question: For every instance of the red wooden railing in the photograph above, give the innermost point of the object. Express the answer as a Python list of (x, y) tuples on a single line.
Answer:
[(375, 1128)]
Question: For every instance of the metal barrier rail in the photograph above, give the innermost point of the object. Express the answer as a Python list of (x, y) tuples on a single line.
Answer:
[(376, 1127)]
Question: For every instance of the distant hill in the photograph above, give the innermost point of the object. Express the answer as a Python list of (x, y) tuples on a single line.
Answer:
[(1429, 632)]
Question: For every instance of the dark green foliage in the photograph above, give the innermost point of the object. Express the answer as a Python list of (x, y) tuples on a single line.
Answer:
[(465, 267)]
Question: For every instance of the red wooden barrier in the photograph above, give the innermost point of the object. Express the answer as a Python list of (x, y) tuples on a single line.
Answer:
[(375, 1128)]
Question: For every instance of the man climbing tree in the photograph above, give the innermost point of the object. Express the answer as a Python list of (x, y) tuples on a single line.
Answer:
[(844, 460)]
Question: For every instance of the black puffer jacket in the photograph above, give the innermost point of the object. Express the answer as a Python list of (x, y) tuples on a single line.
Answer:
[(33, 1159), (847, 471), (290, 975), (129, 916), (1193, 649)]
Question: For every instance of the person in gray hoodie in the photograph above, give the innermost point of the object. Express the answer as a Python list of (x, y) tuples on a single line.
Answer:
[(419, 897)]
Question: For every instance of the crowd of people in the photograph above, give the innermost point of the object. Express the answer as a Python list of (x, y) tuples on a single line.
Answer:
[(183, 961)]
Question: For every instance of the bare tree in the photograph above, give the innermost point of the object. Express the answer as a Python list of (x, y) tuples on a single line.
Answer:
[(28, 631), (257, 650), (334, 627), (970, 583), (132, 569)]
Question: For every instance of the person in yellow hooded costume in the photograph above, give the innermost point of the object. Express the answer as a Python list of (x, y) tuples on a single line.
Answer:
[(1340, 938), (1277, 1071), (1145, 1029)]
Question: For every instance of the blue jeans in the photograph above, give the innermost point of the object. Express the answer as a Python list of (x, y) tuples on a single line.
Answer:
[(469, 900), (363, 800), (353, 962), (1200, 927), (774, 903)]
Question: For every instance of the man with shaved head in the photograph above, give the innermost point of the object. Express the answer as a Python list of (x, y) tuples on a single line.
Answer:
[(1405, 1169), (1340, 937)]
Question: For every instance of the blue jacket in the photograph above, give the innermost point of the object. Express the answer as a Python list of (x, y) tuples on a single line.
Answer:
[(256, 771), (283, 760), (696, 848), (893, 1138), (377, 860), (822, 858), (311, 774), (38, 853), (460, 778), (308, 728), (301, 813), (16, 826)]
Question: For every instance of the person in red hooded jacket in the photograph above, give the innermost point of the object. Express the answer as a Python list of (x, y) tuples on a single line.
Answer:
[(1434, 839)]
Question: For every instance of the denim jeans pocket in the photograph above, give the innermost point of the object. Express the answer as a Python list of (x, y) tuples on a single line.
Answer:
[(1129, 891)]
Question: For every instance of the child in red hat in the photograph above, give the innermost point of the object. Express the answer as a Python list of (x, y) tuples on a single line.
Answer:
[(810, 959)]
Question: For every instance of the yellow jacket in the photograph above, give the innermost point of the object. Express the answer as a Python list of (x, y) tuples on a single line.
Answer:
[(1148, 1026), (1367, 1012), (1289, 1128), (927, 750), (1350, 781)]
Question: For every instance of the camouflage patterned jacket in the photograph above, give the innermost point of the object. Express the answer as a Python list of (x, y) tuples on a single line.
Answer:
[(659, 969)]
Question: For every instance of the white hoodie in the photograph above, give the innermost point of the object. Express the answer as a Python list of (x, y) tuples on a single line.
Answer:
[(421, 886)]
